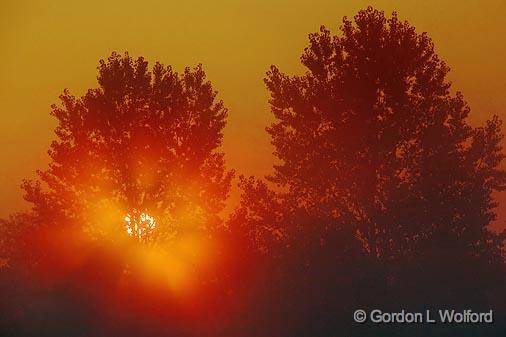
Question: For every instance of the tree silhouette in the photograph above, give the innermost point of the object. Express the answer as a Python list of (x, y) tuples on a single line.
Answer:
[(371, 138), (141, 142), (376, 155), (138, 156)]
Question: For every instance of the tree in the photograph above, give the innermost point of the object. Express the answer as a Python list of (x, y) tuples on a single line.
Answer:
[(374, 149), (371, 138), (137, 156), (143, 146)]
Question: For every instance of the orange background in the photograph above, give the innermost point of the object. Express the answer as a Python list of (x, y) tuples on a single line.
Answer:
[(46, 46)]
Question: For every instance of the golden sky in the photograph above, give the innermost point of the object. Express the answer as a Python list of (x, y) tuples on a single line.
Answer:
[(46, 46)]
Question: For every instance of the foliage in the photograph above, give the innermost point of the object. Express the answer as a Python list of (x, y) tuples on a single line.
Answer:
[(383, 192), (370, 138), (142, 141)]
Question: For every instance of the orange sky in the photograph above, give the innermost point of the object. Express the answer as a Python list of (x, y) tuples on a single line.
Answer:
[(46, 46)]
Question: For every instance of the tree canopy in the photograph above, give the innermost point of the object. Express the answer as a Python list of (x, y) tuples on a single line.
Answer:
[(372, 140), (143, 141), (382, 194)]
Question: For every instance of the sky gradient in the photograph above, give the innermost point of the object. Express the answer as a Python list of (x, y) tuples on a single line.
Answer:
[(46, 46)]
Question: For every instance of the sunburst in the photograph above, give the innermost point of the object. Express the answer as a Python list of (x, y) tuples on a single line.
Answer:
[(139, 225)]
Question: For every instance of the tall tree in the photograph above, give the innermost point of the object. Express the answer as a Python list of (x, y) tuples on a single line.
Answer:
[(383, 191), (371, 138), (143, 146)]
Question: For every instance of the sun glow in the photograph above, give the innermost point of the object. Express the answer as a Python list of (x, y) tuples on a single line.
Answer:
[(139, 225)]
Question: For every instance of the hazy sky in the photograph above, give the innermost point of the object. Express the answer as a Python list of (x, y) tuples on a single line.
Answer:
[(46, 46)]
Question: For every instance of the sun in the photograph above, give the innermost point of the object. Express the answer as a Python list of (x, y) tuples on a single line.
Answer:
[(139, 225)]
